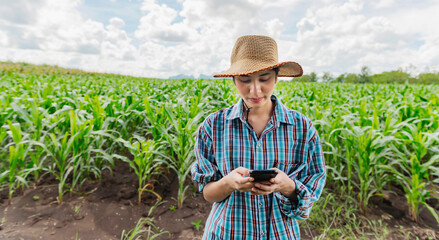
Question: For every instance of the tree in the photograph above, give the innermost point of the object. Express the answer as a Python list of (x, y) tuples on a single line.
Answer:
[(351, 78), (303, 78), (364, 76), (428, 78), (340, 78), (313, 77), (327, 77)]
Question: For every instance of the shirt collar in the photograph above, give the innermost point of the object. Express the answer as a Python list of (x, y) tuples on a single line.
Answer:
[(236, 111), (280, 112)]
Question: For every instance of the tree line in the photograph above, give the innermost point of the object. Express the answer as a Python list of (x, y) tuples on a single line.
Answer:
[(365, 76)]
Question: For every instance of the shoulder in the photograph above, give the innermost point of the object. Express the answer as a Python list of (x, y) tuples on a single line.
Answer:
[(300, 122), (216, 118), (295, 117)]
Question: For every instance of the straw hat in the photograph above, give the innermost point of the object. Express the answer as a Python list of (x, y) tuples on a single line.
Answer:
[(258, 53)]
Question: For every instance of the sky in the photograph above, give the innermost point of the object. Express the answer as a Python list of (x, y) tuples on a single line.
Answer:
[(165, 38)]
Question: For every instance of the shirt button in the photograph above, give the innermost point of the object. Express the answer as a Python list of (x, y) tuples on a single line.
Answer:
[(260, 204), (262, 233), (259, 144)]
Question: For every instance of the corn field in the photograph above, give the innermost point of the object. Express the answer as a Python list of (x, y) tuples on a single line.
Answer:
[(75, 126)]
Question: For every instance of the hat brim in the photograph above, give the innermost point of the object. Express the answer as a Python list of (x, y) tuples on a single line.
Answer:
[(286, 69)]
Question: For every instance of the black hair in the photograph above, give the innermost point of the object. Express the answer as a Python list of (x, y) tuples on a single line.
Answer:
[(276, 70)]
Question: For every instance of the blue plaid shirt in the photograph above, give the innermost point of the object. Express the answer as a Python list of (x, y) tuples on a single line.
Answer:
[(289, 142)]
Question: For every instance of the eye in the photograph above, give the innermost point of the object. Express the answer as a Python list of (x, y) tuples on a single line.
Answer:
[(264, 80), (244, 80)]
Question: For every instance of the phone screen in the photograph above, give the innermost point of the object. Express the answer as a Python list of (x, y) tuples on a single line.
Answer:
[(263, 175)]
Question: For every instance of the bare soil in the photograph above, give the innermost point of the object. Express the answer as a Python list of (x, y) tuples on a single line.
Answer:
[(109, 206)]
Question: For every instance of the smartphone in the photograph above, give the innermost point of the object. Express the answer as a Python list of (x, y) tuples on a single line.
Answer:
[(263, 175)]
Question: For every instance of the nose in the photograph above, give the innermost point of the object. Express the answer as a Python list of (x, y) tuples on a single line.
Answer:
[(255, 88)]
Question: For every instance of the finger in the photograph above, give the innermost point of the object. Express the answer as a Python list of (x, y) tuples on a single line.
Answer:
[(246, 180), (266, 182), (246, 188), (263, 187), (243, 171), (257, 191)]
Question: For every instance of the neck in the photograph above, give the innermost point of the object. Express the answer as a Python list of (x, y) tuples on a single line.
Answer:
[(260, 111)]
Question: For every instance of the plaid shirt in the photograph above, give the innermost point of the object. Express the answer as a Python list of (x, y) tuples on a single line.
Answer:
[(289, 142)]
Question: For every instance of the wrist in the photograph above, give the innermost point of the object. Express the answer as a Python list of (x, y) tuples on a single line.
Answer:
[(227, 185), (290, 189)]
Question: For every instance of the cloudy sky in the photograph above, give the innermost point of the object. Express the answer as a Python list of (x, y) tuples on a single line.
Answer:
[(163, 38)]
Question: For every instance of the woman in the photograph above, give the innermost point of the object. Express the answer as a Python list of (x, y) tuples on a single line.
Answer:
[(258, 133)]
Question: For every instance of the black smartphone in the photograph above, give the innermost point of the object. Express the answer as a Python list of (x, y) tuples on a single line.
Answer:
[(263, 175)]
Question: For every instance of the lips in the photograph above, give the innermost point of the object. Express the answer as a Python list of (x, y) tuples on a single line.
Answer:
[(256, 100)]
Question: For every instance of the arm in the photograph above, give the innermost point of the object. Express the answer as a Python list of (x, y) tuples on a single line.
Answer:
[(221, 189), (205, 171)]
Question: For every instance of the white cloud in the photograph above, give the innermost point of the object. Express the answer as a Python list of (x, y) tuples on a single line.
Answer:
[(4, 41), (383, 3), (19, 12), (157, 24), (341, 38), (324, 36), (200, 37), (59, 27)]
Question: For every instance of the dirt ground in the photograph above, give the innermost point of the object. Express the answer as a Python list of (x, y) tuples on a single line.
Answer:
[(109, 206)]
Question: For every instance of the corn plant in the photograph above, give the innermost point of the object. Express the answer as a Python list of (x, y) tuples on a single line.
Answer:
[(59, 150), (139, 231), (157, 120), (17, 170), (368, 148), (182, 144), (3, 136), (70, 124), (412, 166), (82, 139), (145, 162)]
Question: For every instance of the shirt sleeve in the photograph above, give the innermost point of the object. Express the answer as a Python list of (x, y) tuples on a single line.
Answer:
[(310, 178), (204, 169)]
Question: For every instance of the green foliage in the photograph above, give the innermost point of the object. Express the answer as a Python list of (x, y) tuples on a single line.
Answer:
[(364, 76), (144, 163), (351, 78), (428, 78), (327, 77), (336, 216), (397, 76), (75, 125), (145, 228), (197, 225), (312, 77)]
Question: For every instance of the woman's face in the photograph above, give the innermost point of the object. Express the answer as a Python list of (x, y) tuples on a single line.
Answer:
[(257, 88)]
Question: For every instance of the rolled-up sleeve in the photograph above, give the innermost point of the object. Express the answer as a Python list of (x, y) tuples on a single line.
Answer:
[(310, 178), (204, 169)]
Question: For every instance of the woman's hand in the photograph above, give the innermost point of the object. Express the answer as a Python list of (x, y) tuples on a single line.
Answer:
[(236, 180), (239, 180), (281, 183)]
